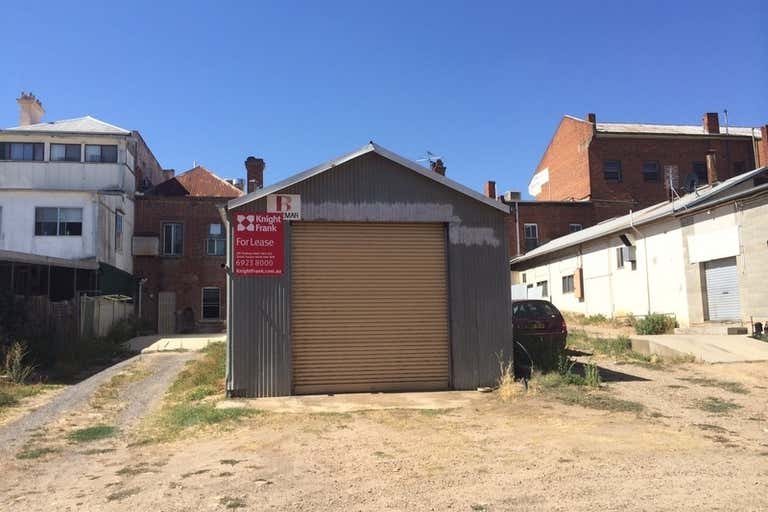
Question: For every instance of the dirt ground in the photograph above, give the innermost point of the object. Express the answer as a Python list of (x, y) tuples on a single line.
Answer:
[(531, 453)]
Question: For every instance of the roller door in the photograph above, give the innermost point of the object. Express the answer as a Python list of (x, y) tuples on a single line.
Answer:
[(369, 307), (722, 281)]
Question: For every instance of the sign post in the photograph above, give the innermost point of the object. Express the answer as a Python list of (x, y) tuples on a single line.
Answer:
[(258, 241)]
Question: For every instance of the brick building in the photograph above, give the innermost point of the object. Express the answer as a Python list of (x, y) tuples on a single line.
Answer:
[(179, 248), (595, 171)]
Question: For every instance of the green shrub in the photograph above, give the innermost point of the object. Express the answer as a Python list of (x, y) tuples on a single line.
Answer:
[(16, 367), (592, 375), (655, 323), (596, 319)]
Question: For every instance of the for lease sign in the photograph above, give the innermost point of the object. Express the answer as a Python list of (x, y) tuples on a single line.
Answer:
[(258, 241)]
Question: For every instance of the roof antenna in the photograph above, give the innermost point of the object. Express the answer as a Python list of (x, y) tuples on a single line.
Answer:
[(429, 157), (726, 120)]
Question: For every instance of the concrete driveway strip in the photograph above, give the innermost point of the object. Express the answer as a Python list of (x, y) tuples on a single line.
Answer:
[(710, 348), (140, 397)]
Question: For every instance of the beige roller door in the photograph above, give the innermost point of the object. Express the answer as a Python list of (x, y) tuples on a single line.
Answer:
[(369, 307)]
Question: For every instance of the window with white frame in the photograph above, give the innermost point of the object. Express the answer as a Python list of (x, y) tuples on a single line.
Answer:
[(572, 228), (544, 288), (211, 303), (65, 153), (106, 153), (119, 231), (173, 239), (215, 244), (29, 151), (568, 284), (58, 221)]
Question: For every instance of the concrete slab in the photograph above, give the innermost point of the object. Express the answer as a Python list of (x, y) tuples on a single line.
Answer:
[(344, 403), (169, 342), (721, 348)]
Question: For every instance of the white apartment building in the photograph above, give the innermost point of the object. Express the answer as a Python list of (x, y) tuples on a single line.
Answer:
[(67, 193), (702, 257)]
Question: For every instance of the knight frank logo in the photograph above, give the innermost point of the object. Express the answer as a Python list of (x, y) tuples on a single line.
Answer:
[(245, 222)]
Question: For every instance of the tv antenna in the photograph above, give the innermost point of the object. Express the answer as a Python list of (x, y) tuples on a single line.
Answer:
[(429, 157)]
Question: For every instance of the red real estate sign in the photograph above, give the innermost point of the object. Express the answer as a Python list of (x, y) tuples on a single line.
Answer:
[(258, 240)]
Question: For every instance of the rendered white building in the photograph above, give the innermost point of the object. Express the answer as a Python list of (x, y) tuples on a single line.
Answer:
[(702, 257), (67, 193)]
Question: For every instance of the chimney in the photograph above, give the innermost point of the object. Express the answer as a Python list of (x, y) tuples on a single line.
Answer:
[(712, 166), (592, 118), (490, 189), (30, 109), (711, 122), (438, 167), (254, 168), (168, 174)]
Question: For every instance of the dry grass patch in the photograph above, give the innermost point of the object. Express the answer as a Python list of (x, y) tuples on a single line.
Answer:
[(725, 385)]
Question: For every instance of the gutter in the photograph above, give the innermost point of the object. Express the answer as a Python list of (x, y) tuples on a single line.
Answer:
[(228, 272)]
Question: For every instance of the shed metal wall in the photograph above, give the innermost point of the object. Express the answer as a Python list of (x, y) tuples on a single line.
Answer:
[(372, 188)]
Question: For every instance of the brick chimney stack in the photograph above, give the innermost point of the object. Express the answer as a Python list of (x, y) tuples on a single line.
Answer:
[(490, 189), (592, 118), (254, 169), (711, 122), (712, 166), (30, 109), (438, 167)]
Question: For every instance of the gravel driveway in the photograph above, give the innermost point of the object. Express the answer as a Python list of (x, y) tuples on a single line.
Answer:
[(140, 396)]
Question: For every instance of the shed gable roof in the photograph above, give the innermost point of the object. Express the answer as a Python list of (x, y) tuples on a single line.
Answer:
[(368, 148)]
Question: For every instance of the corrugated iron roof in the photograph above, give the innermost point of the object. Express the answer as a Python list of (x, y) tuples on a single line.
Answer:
[(674, 129), (704, 194), (368, 148), (86, 125)]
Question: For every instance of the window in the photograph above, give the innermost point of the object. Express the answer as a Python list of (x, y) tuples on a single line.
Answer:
[(612, 170), (58, 221), (173, 239), (651, 171), (94, 153), (572, 228), (544, 288), (211, 303), (524, 278), (700, 170), (619, 258), (531, 236), (216, 243), (568, 284), (533, 309), (65, 153), (22, 151), (118, 231)]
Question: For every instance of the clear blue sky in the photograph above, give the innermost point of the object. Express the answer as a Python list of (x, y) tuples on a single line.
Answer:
[(483, 84)]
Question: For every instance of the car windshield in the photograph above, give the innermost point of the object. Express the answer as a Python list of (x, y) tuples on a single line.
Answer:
[(534, 309)]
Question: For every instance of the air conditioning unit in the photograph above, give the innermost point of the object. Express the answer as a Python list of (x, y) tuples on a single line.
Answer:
[(628, 253), (510, 196)]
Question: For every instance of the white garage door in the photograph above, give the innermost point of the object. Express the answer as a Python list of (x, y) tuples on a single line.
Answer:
[(722, 289)]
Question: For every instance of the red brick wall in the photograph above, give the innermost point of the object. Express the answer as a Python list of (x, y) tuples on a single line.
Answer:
[(566, 158), (762, 147), (146, 165), (633, 151), (552, 219), (188, 274)]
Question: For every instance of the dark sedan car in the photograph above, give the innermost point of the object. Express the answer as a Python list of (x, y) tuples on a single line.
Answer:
[(539, 333)]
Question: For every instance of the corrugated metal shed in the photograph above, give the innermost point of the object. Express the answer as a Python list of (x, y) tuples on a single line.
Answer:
[(372, 187)]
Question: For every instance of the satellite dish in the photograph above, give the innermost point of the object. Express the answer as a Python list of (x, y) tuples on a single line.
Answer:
[(691, 182)]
